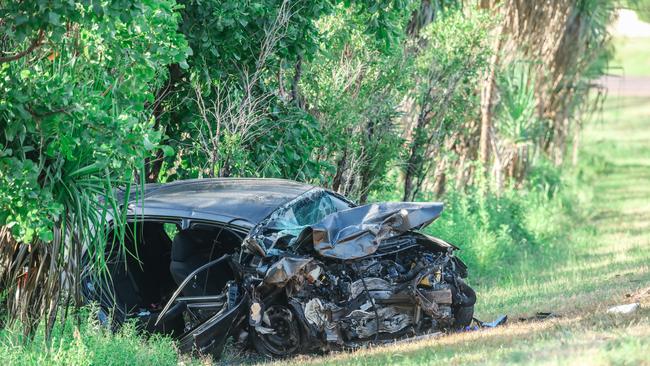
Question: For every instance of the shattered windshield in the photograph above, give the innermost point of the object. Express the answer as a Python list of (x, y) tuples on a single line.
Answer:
[(309, 208)]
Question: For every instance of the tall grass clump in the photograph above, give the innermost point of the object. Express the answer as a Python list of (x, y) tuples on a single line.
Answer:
[(499, 232), (86, 343)]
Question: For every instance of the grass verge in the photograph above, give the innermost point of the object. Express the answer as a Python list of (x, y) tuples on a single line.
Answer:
[(632, 56), (86, 343)]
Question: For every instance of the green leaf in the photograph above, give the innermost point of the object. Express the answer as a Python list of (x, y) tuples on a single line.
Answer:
[(46, 235), (148, 145), (54, 18), (168, 151), (88, 170)]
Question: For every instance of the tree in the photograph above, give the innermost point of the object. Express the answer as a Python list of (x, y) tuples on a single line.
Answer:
[(77, 83), (233, 59), (453, 53), (354, 86)]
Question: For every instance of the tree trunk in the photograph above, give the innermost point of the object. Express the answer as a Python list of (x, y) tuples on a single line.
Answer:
[(487, 94), (295, 90), (576, 146), (412, 166), (340, 168), (414, 163), (440, 178), (367, 170), (420, 18)]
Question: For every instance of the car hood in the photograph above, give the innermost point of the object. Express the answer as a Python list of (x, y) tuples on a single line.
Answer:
[(358, 232)]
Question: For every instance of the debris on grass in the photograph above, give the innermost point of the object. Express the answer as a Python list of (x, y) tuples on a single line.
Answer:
[(478, 324), (640, 294), (624, 309), (501, 320), (540, 316)]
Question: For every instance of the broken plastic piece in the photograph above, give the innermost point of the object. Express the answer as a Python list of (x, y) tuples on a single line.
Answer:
[(256, 313), (315, 313), (624, 309), (285, 269), (501, 320), (539, 316)]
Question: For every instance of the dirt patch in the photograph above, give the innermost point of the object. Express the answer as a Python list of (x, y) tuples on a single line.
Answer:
[(622, 86)]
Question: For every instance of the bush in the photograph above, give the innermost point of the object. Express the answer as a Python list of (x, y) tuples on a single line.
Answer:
[(495, 233)]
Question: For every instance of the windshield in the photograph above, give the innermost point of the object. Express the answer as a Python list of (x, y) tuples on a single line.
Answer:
[(308, 209)]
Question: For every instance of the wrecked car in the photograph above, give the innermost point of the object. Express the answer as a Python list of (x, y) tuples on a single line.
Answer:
[(281, 266)]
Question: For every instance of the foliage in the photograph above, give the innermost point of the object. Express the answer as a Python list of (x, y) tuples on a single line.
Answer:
[(518, 120), (354, 88), (75, 121), (239, 53), (448, 66), (496, 232), (75, 107)]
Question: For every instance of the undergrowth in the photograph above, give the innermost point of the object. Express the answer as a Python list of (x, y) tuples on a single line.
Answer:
[(499, 233), (86, 343)]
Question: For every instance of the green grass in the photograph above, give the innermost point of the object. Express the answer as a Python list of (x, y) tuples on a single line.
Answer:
[(632, 57), (89, 344)]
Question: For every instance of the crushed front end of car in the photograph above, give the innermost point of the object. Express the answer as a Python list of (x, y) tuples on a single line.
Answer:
[(316, 276)]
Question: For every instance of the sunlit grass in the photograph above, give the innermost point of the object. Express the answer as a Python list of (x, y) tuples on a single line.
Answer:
[(86, 344), (632, 57)]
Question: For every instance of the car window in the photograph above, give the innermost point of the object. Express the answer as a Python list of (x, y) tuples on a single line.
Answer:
[(308, 209)]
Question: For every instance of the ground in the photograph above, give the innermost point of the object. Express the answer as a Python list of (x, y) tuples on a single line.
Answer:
[(607, 263), (629, 71)]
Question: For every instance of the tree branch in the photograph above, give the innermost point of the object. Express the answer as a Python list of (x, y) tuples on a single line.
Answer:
[(45, 114), (35, 44)]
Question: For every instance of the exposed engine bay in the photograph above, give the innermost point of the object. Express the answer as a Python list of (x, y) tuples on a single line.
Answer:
[(400, 291)]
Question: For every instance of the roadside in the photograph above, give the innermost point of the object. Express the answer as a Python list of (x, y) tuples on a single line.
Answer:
[(629, 73), (606, 261), (626, 86), (610, 266)]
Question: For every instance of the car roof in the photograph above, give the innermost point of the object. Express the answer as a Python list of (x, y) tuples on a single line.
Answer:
[(244, 201)]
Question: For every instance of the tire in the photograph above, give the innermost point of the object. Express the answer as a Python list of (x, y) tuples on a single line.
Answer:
[(464, 309), (285, 344), (469, 294)]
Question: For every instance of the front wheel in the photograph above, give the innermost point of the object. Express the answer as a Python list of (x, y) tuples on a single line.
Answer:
[(284, 340), (464, 310)]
